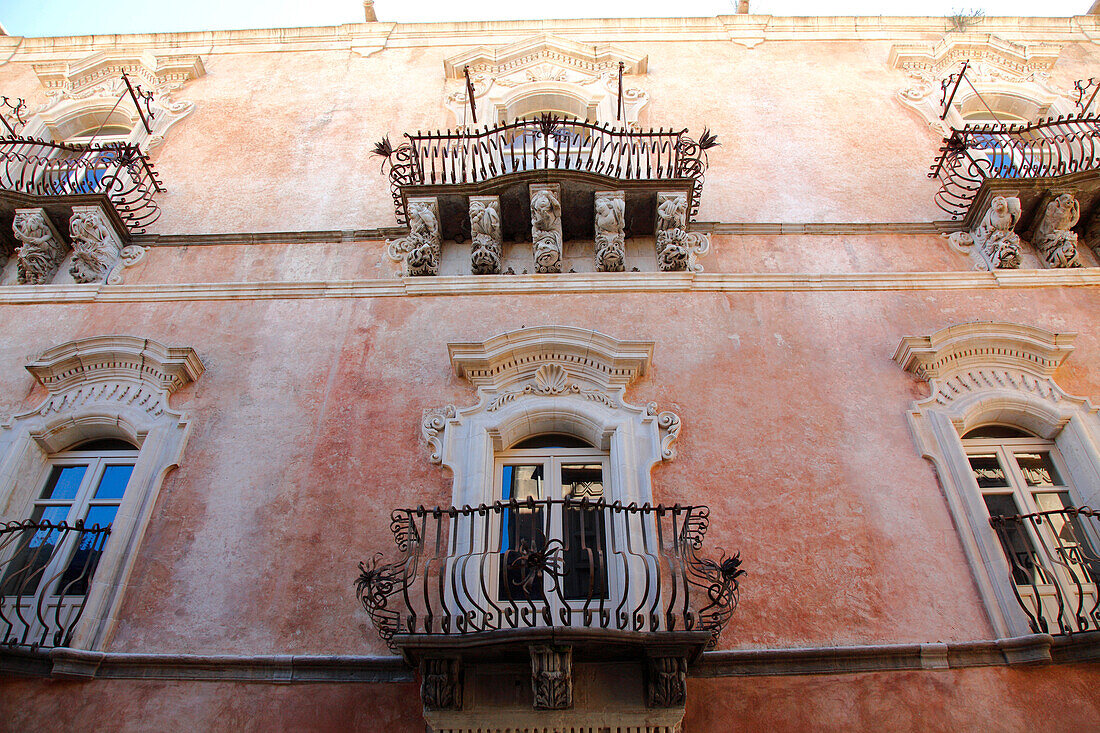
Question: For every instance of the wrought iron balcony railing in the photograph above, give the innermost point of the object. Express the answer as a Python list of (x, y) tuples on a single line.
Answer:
[(549, 564), (546, 144), (1046, 149), (1055, 567), (46, 571), (119, 171)]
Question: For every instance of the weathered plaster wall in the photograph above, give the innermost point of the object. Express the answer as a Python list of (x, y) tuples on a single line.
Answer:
[(306, 434)]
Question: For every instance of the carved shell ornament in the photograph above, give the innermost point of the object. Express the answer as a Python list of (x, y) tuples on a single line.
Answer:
[(550, 379)]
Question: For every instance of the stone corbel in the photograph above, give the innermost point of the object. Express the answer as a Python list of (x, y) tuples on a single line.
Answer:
[(42, 248), (441, 683), (422, 249), (1053, 234), (546, 231), (994, 241), (96, 245), (487, 248), (665, 681), (610, 218), (1092, 233), (552, 677), (676, 247)]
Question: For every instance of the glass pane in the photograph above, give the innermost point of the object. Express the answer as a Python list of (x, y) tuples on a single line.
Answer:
[(113, 482), (78, 574), (585, 568), (32, 554), (64, 482), (523, 532), (988, 471), (1014, 538), (1038, 469), (1066, 533)]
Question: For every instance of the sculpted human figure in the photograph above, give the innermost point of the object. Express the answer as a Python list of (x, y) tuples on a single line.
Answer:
[(423, 244), (546, 230), (672, 245), (487, 246), (995, 235), (610, 238), (1054, 236), (95, 247), (41, 251)]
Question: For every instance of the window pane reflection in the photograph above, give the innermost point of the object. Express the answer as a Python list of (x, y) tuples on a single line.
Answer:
[(1038, 469), (585, 530), (1067, 537), (64, 482), (1013, 537), (988, 471), (522, 531)]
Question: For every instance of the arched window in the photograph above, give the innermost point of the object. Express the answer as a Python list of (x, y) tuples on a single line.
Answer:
[(81, 474), (551, 473), (1017, 461), (53, 560), (1025, 486)]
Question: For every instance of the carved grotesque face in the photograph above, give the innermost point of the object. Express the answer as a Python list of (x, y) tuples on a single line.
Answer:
[(542, 208), (1000, 206), (1065, 201)]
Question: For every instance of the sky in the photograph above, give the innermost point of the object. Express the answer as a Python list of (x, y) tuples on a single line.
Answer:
[(85, 17)]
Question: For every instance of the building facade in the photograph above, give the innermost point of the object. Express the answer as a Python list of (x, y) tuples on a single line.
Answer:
[(696, 374)]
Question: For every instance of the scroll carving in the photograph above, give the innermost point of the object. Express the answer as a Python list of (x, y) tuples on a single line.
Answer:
[(610, 235), (128, 257), (666, 682), (42, 248), (546, 231), (441, 683), (997, 244), (675, 245), (423, 248), (488, 242), (552, 677), (431, 427), (1054, 235), (96, 246)]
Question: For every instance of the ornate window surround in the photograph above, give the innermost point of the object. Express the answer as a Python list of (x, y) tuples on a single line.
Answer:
[(88, 89), (984, 373), (550, 379), (546, 65), (101, 387), (997, 68)]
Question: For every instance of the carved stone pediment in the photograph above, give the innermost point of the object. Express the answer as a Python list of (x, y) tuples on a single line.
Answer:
[(547, 64), (94, 83), (996, 66)]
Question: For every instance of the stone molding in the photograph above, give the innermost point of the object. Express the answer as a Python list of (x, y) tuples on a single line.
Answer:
[(550, 379), (982, 373), (102, 386), (545, 63), (77, 664), (1021, 69), (94, 82)]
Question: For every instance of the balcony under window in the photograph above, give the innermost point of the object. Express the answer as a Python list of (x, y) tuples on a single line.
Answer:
[(545, 180)]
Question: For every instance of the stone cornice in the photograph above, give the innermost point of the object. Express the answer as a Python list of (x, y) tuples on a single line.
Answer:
[(992, 346), (110, 358), (516, 356), (748, 30)]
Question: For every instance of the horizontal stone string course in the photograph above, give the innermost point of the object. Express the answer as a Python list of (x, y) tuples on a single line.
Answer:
[(287, 668), (573, 283)]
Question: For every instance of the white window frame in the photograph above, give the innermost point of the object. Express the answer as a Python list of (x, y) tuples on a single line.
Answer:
[(101, 387), (996, 373)]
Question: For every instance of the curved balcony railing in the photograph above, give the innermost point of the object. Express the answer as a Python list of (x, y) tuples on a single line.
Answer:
[(540, 564), (545, 144), (1055, 567), (46, 571), (1046, 149), (119, 171)]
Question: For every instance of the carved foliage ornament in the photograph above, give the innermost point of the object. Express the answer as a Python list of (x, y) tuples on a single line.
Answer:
[(666, 682), (552, 677), (441, 683), (677, 247), (422, 249)]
